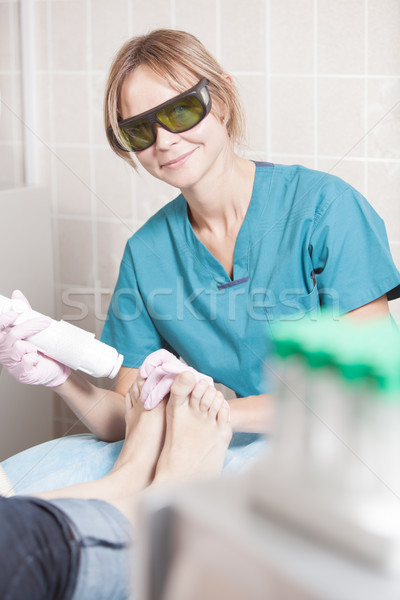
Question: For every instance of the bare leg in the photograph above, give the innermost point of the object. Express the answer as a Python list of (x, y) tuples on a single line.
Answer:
[(197, 436), (198, 432), (135, 467)]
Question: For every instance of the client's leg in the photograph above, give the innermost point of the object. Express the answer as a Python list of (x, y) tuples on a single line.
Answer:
[(197, 435), (37, 560), (198, 432), (135, 467), (97, 535)]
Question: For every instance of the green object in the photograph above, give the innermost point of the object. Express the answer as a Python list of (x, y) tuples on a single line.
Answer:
[(365, 354)]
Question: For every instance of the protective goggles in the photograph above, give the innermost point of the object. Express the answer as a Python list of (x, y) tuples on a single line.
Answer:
[(176, 115)]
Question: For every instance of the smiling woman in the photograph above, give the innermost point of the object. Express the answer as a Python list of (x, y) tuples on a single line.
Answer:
[(245, 244), (180, 61)]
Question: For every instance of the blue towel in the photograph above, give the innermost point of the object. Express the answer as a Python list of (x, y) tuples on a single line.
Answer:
[(78, 458)]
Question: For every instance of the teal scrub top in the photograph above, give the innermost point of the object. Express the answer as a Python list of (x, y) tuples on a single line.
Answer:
[(308, 240)]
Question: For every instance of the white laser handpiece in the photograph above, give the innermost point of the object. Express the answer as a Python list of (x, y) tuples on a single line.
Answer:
[(68, 344)]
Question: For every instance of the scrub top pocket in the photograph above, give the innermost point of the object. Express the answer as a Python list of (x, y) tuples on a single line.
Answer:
[(293, 305)]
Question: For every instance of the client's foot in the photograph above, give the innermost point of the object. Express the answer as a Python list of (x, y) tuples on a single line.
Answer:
[(198, 431), (144, 438)]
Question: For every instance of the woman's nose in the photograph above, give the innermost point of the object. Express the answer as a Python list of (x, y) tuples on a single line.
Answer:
[(165, 138)]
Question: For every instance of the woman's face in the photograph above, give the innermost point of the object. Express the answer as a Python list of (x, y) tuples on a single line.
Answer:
[(180, 159)]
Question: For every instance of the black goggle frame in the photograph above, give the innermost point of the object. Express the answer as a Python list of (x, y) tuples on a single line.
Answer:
[(200, 91)]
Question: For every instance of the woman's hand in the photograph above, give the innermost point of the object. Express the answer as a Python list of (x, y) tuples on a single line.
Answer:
[(21, 358), (157, 374)]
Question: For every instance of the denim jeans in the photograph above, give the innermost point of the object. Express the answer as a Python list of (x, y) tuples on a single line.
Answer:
[(37, 559), (65, 549), (104, 539)]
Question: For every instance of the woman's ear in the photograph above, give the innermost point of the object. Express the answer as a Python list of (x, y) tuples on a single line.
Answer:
[(221, 112), (227, 77)]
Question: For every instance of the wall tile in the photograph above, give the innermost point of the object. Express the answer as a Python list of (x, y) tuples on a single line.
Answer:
[(110, 30), (341, 116), (69, 43), (341, 36), (243, 35), (199, 19), (75, 252), (11, 165), (41, 48), (76, 305), (10, 34), (383, 119), (383, 37), (45, 157), (395, 250), (251, 90), (384, 195), (16, 38), (7, 59), (292, 116), (147, 16), (112, 184), (11, 118), (72, 174), (292, 159), (71, 112), (85, 307), (111, 241), (291, 36), (44, 93), (96, 102), (349, 170)]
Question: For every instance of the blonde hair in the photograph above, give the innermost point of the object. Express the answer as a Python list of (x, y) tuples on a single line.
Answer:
[(181, 59)]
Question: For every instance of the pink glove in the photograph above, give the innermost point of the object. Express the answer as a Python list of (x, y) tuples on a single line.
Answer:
[(20, 357), (159, 370)]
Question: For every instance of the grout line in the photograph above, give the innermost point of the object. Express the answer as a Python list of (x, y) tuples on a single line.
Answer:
[(63, 145), (366, 67), (103, 72), (267, 75), (52, 186), (337, 157), (315, 82), (249, 73), (53, 181), (12, 41), (130, 19), (333, 75), (218, 31), (92, 182), (132, 180)]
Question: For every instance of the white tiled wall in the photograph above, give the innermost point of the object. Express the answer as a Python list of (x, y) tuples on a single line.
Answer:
[(320, 80)]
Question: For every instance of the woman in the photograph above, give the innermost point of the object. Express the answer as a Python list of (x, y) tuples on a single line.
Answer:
[(243, 246)]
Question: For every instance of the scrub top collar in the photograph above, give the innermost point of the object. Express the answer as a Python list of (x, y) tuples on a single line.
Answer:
[(206, 260)]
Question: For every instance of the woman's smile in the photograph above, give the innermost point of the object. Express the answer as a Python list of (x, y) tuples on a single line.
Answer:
[(176, 163)]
